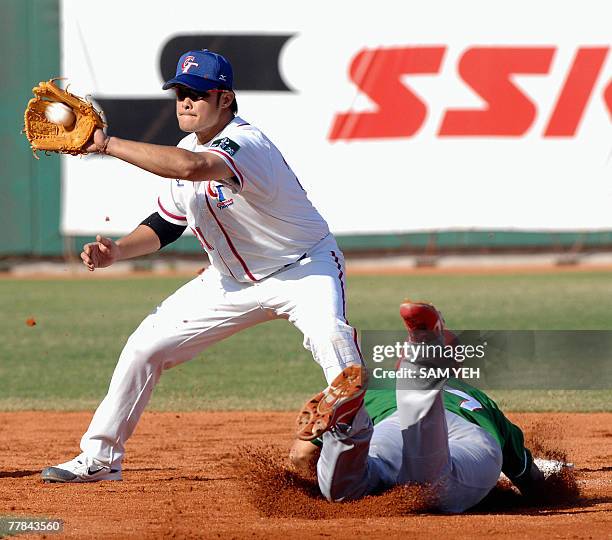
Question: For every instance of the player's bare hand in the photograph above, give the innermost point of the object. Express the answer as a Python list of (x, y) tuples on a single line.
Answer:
[(100, 254), (98, 142)]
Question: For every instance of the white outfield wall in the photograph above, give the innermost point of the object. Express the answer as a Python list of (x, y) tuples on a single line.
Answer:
[(530, 148)]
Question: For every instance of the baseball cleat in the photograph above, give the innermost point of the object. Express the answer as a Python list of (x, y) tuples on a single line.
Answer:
[(339, 402), (80, 469), (425, 323), (421, 319)]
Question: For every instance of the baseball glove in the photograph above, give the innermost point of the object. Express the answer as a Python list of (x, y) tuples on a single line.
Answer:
[(49, 137)]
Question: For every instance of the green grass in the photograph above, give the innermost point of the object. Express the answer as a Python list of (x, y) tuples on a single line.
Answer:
[(66, 360)]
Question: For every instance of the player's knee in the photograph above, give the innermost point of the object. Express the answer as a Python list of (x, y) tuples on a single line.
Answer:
[(325, 489), (334, 339), (332, 491), (331, 331), (147, 351), (328, 488)]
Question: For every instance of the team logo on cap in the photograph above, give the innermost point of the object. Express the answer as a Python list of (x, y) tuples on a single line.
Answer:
[(188, 62)]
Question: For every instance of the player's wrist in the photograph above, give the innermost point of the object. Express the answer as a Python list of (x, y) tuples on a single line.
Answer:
[(117, 252), (104, 147)]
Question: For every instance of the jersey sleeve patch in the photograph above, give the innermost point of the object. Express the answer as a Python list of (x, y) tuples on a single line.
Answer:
[(227, 145)]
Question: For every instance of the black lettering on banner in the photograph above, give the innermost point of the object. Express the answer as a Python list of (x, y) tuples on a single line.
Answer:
[(254, 58)]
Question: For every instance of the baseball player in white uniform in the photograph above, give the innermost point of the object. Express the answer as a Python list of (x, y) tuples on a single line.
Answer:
[(272, 256)]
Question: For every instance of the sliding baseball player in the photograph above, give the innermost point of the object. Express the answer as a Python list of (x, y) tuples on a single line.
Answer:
[(453, 439), (272, 256)]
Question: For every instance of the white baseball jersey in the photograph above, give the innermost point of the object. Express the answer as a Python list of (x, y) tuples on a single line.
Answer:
[(255, 223)]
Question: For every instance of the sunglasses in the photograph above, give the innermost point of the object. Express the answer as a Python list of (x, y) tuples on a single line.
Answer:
[(183, 92)]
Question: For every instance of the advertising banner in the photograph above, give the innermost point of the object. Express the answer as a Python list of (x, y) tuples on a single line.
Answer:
[(398, 117)]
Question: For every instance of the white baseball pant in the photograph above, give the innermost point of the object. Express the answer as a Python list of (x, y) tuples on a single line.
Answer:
[(212, 307)]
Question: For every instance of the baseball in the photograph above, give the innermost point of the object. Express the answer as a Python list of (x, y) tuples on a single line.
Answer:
[(58, 113)]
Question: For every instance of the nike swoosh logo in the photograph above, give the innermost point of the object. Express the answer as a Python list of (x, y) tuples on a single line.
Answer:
[(96, 470)]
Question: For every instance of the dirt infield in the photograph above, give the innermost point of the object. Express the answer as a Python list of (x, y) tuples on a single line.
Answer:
[(183, 478)]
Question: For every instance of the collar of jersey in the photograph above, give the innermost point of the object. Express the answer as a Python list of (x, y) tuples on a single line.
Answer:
[(232, 121)]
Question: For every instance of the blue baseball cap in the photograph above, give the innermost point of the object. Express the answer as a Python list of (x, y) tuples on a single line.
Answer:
[(201, 71)]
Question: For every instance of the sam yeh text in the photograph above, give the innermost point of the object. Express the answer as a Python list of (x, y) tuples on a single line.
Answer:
[(427, 373)]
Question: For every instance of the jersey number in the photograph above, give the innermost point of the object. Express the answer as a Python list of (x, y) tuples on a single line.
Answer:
[(469, 403)]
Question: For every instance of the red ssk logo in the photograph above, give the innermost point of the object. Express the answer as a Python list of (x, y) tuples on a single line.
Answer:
[(487, 70)]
